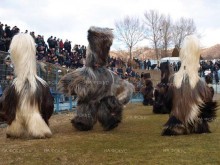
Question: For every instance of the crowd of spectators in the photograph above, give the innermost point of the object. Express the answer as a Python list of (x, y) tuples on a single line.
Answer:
[(60, 53), (213, 69), (55, 51), (6, 34)]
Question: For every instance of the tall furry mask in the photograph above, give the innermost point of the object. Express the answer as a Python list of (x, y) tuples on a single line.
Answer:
[(100, 41)]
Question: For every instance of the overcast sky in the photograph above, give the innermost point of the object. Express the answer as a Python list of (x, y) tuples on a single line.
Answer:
[(70, 19)]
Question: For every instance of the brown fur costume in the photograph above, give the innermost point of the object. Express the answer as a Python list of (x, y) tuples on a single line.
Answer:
[(101, 93), (148, 90), (160, 92), (208, 80)]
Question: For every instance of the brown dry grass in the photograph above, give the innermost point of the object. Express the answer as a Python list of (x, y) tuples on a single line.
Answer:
[(137, 140)]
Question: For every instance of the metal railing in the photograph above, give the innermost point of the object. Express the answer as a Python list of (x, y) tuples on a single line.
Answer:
[(51, 74)]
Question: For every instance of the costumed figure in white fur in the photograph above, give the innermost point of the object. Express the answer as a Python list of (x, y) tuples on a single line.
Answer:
[(189, 98), (26, 104), (101, 93)]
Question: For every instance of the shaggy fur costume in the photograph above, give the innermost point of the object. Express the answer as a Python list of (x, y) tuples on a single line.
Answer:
[(208, 80), (26, 104), (160, 92), (101, 93), (189, 98), (148, 90)]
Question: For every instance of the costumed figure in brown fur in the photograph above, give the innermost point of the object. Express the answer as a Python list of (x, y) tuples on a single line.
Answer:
[(101, 93), (148, 90), (160, 92), (208, 80), (189, 97), (26, 104)]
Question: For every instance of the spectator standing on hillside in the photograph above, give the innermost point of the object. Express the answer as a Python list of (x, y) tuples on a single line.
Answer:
[(83, 51), (145, 64), (15, 30), (120, 71), (175, 67), (1, 30), (8, 32), (215, 71), (41, 47), (2, 38), (148, 64), (7, 36), (178, 65), (53, 43), (49, 40), (33, 35), (67, 46), (141, 64), (61, 45)]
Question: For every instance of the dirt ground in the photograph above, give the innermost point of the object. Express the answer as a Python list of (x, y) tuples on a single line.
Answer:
[(136, 140), (55, 120), (216, 97)]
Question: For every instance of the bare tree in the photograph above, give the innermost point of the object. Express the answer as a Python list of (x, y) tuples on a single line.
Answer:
[(181, 29), (130, 32), (153, 21), (166, 34)]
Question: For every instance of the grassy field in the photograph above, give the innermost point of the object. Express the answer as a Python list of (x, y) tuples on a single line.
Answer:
[(136, 141)]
